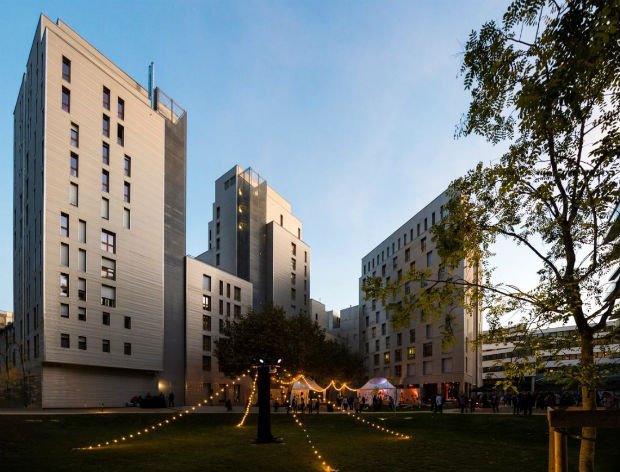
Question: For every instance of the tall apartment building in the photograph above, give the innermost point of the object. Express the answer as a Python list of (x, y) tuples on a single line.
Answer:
[(99, 227), (214, 298), (414, 356), (255, 236)]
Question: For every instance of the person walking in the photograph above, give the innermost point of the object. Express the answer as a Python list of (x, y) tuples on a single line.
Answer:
[(438, 403), (345, 404), (463, 402)]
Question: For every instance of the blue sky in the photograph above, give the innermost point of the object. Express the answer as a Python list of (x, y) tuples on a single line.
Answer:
[(347, 108)]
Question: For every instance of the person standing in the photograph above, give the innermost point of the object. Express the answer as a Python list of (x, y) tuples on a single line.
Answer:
[(317, 405), (171, 399), (438, 403), (345, 404)]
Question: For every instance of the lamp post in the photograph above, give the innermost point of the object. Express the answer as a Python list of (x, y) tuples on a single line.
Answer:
[(263, 431)]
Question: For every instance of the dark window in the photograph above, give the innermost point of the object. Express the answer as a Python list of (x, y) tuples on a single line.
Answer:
[(206, 322), (127, 166), (105, 318), (105, 181), (66, 69), (82, 292), (75, 135), (74, 165), (206, 363), (82, 343), (105, 345), (66, 99), (105, 126), (127, 322), (121, 109), (81, 313), (237, 311), (127, 192), (64, 310), (206, 343), (238, 294), (412, 335), (64, 225), (65, 340), (105, 153), (106, 98), (108, 241), (427, 349), (120, 135), (127, 349)]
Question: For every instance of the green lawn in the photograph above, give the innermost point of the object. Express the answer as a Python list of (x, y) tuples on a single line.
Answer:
[(212, 443)]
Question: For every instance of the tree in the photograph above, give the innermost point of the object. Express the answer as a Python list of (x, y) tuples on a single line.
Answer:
[(546, 80)]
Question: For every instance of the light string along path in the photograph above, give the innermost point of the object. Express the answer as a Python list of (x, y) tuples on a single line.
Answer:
[(378, 427), (249, 405), (140, 433), (315, 451)]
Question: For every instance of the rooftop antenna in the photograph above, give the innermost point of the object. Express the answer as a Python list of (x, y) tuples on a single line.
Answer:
[(152, 84)]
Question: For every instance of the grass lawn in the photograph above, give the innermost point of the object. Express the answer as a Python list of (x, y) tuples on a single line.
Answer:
[(210, 442)]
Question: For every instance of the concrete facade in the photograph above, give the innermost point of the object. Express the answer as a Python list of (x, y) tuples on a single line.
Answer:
[(255, 236), (344, 325), (92, 179), (6, 317)]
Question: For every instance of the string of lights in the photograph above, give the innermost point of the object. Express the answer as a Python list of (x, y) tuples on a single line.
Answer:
[(140, 433), (249, 405), (370, 423), (315, 451), (332, 383)]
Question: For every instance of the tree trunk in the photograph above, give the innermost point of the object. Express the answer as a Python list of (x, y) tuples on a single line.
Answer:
[(588, 393)]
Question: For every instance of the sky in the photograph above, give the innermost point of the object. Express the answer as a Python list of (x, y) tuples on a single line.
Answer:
[(347, 108)]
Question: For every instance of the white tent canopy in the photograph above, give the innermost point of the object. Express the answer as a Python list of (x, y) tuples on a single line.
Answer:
[(379, 386), (380, 383), (302, 387)]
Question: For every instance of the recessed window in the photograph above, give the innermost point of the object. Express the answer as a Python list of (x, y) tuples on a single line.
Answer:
[(237, 311), (65, 340), (64, 310), (108, 268), (386, 357), (64, 225), (81, 313), (127, 349), (108, 241), (293, 263), (238, 294), (429, 331), (206, 363), (412, 335), (429, 258), (127, 192), (82, 260), (427, 349), (106, 98), (66, 69), (126, 218), (411, 353), (105, 345), (105, 208), (294, 249), (82, 231), (108, 296), (206, 283), (206, 322), (206, 302), (64, 255), (105, 318), (82, 289), (206, 343), (82, 343), (120, 135), (105, 153), (74, 165), (127, 166), (66, 99), (105, 181), (64, 285), (121, 109), (127, 322), (74, 197), (105, 126), (75, 135), (423, 244)]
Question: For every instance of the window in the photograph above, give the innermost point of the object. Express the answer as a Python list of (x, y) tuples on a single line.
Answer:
[(108, 241), (293, 263), (386, 357), (127, 322), (65, 341), (206, 363), (64, 255), (387, 342), (281, 220), (74, 198), (425, 224), (108, 296), (227, 309), (446, 364), (82, 231), (429, 258), (217, 212), (120, 135), (127, 192), (105, 153), (427, 349), (398, 370), (221, 311), (64, 310), (105, 126), (105, 345), (221, 288), (126, 218), (105, 208), (293, 294), (81, 313), (105, 181), (105, 318), (398, 355), (221, 325), (423, 244), (206, 343), (227, 290), (305, 256), (82, 289), (427, 368), (64, 225), (66, 69), (294, 249), (206, 302), (82, 343), (383, 329), (433, 219), (418, 230), (127, 349), (429, 331), (64, 285), (412, 335), (373, 331), (376, 359), (206, 323), (238, 294), (407, 254), (82, 260), (399, 339), (120, 109), (75, 135), (127, 166), (206, 283), (106, 98), (293, 278), (74, 165), (108, 268), (66, 99), (411, 353), (237, 311)]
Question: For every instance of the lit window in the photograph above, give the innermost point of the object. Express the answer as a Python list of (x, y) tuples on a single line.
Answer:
[(66, 99), (106, 98), (206, 302), (66, 69), (411, 353)]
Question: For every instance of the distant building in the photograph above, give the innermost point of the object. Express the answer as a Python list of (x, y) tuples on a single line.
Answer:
[(318, 314), (255, 236), (6, 317), (345, 326)]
